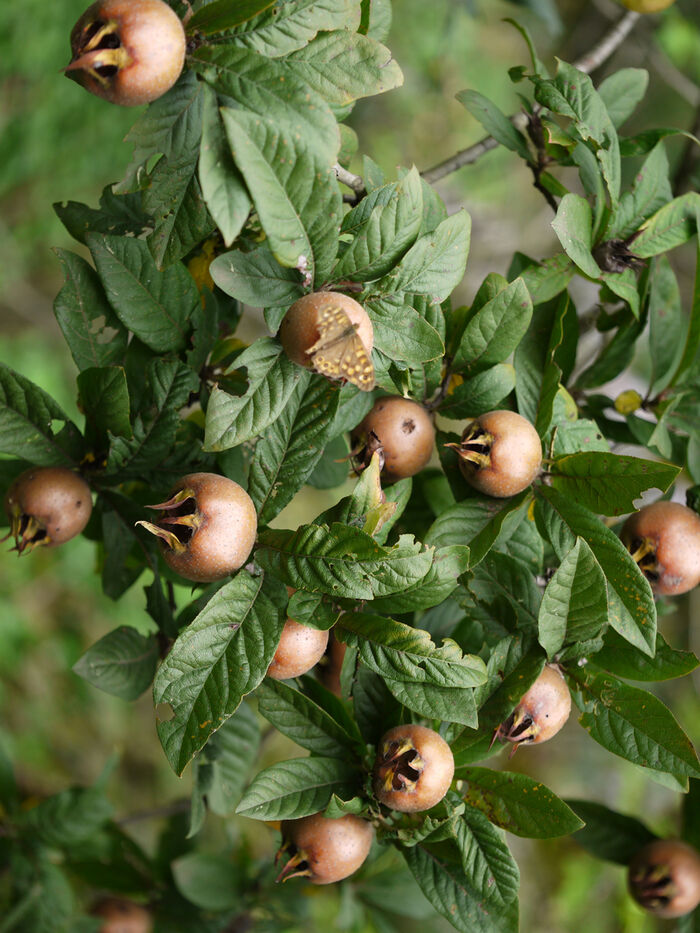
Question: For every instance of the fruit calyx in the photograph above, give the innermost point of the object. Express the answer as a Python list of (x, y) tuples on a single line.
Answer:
[(653, 886), (99, 51), (519, 728), (182, 522), (475, 446), (362, 455), (27, 531), (643, 553), (400, 766), (296, 866)]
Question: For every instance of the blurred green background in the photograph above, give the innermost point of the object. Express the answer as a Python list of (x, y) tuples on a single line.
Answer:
[(59, 143)]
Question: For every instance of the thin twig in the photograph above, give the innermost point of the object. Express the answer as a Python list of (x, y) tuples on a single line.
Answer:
[(354, 182), (589, 62)]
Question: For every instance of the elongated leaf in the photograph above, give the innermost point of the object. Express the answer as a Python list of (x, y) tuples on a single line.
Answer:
[(574, 227), (449, 563), (607, 834), (495, 330), (218, 659), (207, 880), (122, 663), (517, 803), (256, 278), (272, 378), (103, 396), (450, 704), (476, 521), (633, 724), (495, 122), (292, 789), (488, 864), (402, 334), (650, 191), (480, 394), (302, 720), (671, 226), (622, 91), (70, 816), (231, 753), (220, 15), (619, 657), (408, 654)]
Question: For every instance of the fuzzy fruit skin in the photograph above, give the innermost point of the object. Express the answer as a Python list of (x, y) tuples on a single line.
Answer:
[(404, 432), (541, 712), (672, 531), (226, 533), (152, 38), (648, 6), (515, 455), (664, 878), (299, 328), (122, 916), (299, 648), (332, 849), (434, 779), (59, 500)]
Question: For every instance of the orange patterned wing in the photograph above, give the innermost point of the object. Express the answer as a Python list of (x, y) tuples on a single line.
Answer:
[(339, 353)]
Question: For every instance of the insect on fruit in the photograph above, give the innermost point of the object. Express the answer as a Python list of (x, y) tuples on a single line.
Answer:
[(332, 334), (541, 712), (413, 769), (46, 507), (500, 453), (664, 540), (208, 527), (324, 850), (664, 878), (128, 52), (299, 648), (401, 431)]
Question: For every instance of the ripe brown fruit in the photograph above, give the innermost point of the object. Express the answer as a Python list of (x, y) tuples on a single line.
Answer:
[(122, 916), (208, 527), (324, 850), (664, 877), (47, 506), (541, 712), (299, 648), (413, 769), (332, 334), (403, 433), (128, 52), (500, 453), (648, 6), (664, 540)]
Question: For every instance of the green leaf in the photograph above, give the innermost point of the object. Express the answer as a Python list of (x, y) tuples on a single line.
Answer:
[(67, 818), (449, 704), (449, 563), (33, 426), (231, 753), (383, 226), (650, 191), (667, 325), (294, 191), (434, 265), (408, 654), (223, 188), (219, 15), (508, 587), (256, 278), (218, 659), (622, 91), (292, 446), (631, 608), (343, 66), (574, 227), (341, 561), (607, 834), (272, 378), (479, 394), (609, 483), (495, 122), (477, 521), (401, 333), (154, 305), (633, 724), (575, 604), (517, 803), (93, 332), (671, 226), (303, 721), (488, 864), (208, 881), (103, 396), (292, 789), (495, 330), (619, 657), (121, 663), (547, 279)]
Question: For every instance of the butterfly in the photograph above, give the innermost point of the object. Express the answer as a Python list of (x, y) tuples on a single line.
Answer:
[(339, 353)]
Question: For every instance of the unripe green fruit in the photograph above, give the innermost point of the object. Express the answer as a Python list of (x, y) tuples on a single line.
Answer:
[(208, 527), (664, 878), (664, 540), (324, 850), (129, 52), (413, 769), (401, 431), (299, 648), (47, 506), (500, 453)]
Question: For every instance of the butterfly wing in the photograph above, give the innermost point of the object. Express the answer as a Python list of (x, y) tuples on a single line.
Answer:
[(339, 353)]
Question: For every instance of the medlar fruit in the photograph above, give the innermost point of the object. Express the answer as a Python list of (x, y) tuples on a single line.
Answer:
[(541, 712), (47, 506), (324, 850), (664, 877), (122, 916), (401, 431), (129, 52), (299, 648), (500, 453), (413, 769), (208, 527), (664, 540)]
